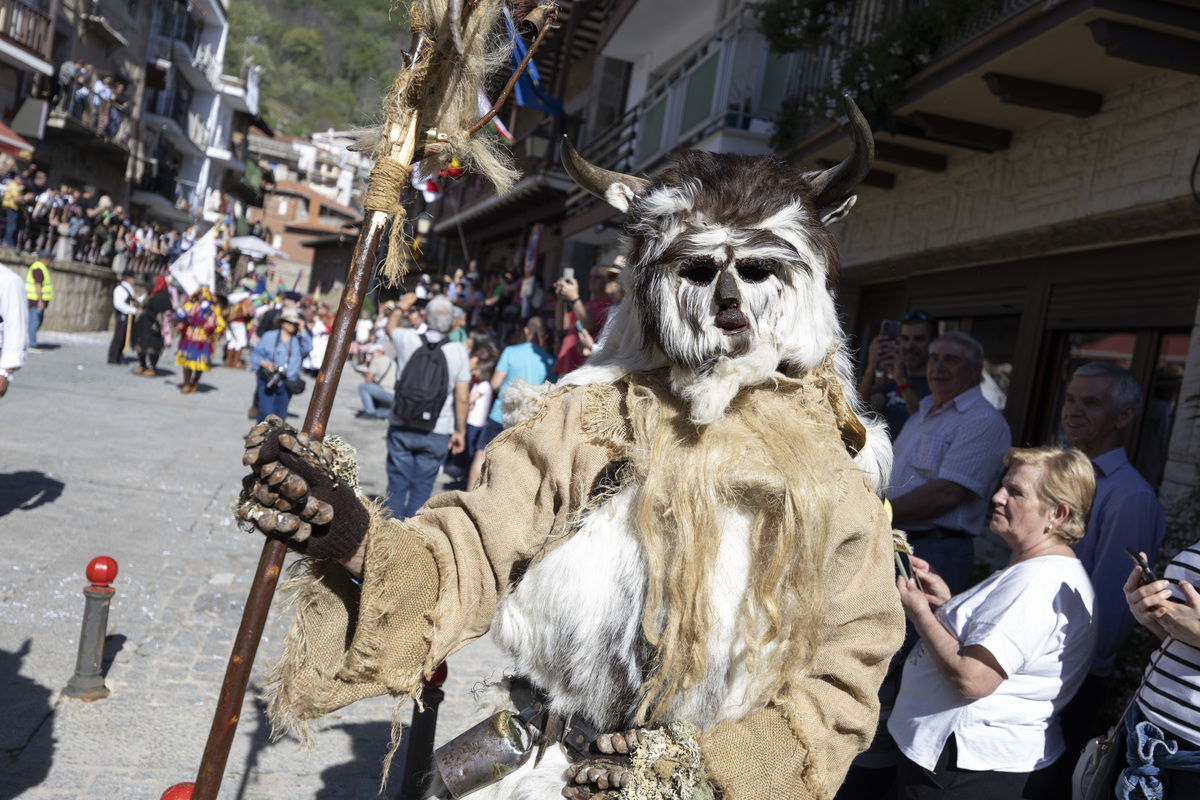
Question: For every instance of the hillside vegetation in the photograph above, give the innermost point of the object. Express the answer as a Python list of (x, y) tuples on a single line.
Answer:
[(324, 63)]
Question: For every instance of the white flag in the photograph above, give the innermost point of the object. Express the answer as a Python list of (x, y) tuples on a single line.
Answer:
[(198, 266)]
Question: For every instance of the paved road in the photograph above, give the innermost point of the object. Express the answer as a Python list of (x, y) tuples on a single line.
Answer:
[(98, 461)]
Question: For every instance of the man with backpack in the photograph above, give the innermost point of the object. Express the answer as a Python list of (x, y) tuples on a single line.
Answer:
[(429, 409)]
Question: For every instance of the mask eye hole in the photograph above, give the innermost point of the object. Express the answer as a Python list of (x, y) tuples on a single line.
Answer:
[(700, 271), (755, 271)]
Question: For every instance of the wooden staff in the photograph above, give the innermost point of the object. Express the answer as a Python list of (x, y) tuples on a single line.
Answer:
[(128, 330), (403, 138), (390, 176)]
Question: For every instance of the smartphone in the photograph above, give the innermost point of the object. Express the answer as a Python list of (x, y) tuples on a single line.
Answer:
[(905, 568), (569, 273), (579, 326), (890, 329), (1148, 575)]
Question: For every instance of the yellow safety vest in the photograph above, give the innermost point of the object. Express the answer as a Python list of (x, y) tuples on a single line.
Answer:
[(31, 287)]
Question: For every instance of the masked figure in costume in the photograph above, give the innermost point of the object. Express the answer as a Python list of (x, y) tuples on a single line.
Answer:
[(678, 546), (200, 323)]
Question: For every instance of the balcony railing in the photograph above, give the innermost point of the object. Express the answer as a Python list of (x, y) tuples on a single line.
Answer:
[(107, 119), (813, 73), (114, 17), (727, 82), (25, 26)]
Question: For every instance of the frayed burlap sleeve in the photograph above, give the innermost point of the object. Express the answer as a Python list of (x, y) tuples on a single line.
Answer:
[(800, 746), (432, 583)]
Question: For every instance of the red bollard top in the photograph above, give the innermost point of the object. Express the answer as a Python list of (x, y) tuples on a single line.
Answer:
[(438, 677), (102, 571), (180, 791)]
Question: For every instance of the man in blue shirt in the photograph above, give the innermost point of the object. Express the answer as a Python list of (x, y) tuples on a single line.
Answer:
[(1101, 401)]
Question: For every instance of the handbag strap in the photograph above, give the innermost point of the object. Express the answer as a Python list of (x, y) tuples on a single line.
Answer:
[(1162, 650)]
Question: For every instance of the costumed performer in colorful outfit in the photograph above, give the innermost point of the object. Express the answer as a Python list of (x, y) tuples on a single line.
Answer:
[(200, 323)]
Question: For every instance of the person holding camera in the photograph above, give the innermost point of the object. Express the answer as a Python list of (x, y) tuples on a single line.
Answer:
[(277, 357), (573, 315), (901, 349)]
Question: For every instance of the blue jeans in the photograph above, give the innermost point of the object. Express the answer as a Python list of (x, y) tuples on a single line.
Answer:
[(413, 461), (375, 399), (10, 228), (271, 401), (35, 322)]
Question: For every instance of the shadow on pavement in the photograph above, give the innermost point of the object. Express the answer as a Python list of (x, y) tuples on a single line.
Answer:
[(359, 777), (27, 737), (27, 490), (112, 645)]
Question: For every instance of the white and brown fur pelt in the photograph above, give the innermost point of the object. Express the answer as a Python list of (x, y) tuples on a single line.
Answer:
[(576, 623)]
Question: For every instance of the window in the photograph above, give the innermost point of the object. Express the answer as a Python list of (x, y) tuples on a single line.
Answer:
[(698, 99), (283, 206), (650, 136)]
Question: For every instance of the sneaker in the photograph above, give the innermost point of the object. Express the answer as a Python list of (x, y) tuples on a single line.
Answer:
[(37, 349), (252, 413)]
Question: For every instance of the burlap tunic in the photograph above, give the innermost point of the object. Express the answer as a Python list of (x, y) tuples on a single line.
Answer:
[(432, 584)]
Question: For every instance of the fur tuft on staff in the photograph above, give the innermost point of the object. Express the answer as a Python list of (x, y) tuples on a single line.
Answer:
[(440, 88)]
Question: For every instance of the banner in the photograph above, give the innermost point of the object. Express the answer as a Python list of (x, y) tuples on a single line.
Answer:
[(198, 266)]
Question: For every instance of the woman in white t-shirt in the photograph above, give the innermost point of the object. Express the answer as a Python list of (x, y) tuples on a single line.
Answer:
[(978, 705)]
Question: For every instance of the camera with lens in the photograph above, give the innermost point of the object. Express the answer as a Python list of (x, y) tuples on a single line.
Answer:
[(276, 378)]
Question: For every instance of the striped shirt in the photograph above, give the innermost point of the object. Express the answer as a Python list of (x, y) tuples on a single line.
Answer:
[(1170, 697)]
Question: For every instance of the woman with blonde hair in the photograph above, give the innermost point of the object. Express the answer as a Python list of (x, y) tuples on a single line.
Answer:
[(977, 711)]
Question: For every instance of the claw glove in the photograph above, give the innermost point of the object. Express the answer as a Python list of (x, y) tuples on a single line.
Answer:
[(335, 539)]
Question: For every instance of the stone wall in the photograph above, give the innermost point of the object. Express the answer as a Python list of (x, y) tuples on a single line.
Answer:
[(1135, 154), (82, 293)]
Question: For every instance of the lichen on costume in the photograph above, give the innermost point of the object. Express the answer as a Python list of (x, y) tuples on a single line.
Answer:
[(668, 765)]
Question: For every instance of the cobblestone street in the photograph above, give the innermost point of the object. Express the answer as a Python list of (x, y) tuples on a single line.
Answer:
[(98, 461)]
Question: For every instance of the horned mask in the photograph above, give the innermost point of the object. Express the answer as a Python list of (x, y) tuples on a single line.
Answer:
[(731, 268)]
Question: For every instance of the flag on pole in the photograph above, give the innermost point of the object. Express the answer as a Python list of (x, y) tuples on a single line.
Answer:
[(495, 126), (529, 91), (198, 265)]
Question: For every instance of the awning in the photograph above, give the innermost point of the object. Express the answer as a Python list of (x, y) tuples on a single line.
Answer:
[(14, 145)]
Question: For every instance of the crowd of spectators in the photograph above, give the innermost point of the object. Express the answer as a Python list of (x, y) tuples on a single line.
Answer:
[(1003, 677), (99, 101), (76, 223), (1000, 684)]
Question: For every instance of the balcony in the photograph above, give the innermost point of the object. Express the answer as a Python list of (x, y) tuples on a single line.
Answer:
[(721, 95), (164, 195), (171, 115), (1009, 68), (25, 35), (106, 127), (111, 21), (199, 67)]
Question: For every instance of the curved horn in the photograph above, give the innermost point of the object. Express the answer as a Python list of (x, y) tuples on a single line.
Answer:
[(596, 180), (836, 183)]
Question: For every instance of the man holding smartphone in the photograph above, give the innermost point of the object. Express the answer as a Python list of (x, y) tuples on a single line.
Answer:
[(604, 286), (902, 350)]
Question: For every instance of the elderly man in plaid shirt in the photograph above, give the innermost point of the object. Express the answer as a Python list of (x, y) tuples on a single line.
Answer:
[(949, 457)]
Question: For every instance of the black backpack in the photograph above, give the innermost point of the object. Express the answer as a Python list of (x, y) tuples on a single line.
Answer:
[(422, 387)]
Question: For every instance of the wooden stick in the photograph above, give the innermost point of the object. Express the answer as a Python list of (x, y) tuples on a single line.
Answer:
[(551, 15), (258, 603)]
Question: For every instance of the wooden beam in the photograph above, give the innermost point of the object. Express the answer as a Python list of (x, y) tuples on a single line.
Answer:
[(1144, 46), (1043, 96), (961, 133), (878, 178), (909, 156)]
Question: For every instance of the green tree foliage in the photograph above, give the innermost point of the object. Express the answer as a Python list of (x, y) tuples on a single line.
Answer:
[(322, 63)]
